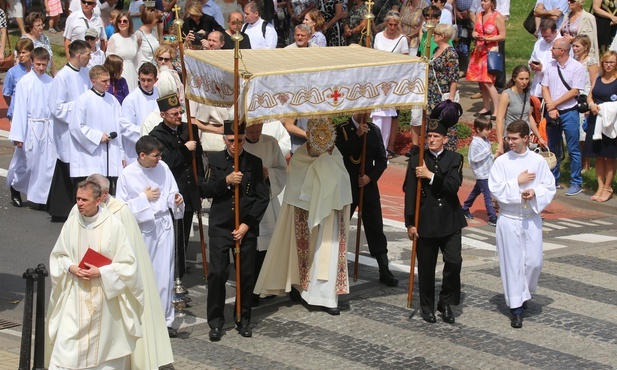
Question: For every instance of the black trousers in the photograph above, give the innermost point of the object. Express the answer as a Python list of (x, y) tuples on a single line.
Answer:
[(372, 221), (183, 231), (218, 273), (427, 251)]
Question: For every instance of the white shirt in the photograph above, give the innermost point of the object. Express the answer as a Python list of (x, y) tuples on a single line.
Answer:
[(135, 108), (77, 24), (255, 34), (541, 53)]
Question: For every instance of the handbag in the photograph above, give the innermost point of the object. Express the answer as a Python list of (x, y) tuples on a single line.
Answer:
[(9, 59), (446, 96), (495, 63), (530, 23), (549, 157)]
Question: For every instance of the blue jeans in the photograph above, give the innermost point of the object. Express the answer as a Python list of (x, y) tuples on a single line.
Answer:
[(570, 122), (481, 187)]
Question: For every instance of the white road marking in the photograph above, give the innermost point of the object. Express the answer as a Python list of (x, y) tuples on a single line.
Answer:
[(588, 238), (554, 226)]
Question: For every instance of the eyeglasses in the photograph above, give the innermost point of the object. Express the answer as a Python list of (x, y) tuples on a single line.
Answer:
[(169, 38), (572, 1), (161, 59), (123, 21), (90, 38), (91, 3), (231, 141)]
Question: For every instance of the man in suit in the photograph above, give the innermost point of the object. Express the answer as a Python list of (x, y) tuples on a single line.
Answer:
[(441, 220), (179, 153), (349, 141), (219, 184)]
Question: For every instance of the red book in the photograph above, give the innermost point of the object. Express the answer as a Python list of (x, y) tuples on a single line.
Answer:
[(94, 258)]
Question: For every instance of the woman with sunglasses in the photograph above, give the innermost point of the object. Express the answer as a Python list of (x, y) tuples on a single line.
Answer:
[(167, 74), (578, 22), (146, 36), (124, 44), (490, 28)]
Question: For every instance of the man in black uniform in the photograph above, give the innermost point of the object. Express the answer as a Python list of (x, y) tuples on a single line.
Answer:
[(178, 155), (349, 142), (219, 184), (441, 221)]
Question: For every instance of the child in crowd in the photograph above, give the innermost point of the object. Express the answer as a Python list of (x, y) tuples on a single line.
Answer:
[(23, 47), (97, 56), (117, 84), (481, 160), (109, 29)]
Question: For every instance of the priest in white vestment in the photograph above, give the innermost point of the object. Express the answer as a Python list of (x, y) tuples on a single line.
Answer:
[(93, 318), (136, 107), (32, 127), (153, 349), (523, 185), (150, 191), (70, 82), (308, 250), (95, 147)]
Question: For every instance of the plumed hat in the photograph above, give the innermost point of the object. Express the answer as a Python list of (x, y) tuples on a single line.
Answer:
[(444, 116), (167, 102)]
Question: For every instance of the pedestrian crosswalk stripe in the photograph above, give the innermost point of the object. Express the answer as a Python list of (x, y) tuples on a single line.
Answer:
[(569, 224), (554, 226), (588, 238), (480, 231), (601, 222), (583, 223), (476, 236)]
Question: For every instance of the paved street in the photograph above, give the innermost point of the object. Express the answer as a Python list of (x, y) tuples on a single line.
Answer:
[(571, 322)]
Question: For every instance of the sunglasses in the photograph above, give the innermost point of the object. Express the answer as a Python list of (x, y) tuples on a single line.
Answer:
[(161, 59), (123, 21), (90, 38), (91, 3), (169, 38)]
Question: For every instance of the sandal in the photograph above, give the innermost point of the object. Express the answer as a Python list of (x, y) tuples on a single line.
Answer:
[(596, 195), (390, 154), (603, 198)]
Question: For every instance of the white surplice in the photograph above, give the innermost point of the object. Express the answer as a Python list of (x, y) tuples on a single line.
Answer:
[(66, 87), (135, 108), (154, 221), (94, 116), (92, 323), (32, 125), (519, 229), (276, 129), (268, 150), (311, 255)]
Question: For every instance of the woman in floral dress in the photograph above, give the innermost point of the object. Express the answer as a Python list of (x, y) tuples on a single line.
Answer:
[(333, 13)]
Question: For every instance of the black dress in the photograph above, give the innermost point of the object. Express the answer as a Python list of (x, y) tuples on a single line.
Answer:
[(606, 147)]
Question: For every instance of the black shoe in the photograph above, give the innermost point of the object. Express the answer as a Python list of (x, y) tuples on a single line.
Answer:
[(15, 197), (255, 302), (245, 331), (525, 305), (172, 332), (332, 311), (295, 296), (487, 113), (467, 214), (516, 321), (428, 317), (215, 334), (58, 219), (492, 221), (446, 313), (385, 275)]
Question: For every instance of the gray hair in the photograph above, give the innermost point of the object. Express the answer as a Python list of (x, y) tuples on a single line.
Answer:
[(101, 180), (303, 27)]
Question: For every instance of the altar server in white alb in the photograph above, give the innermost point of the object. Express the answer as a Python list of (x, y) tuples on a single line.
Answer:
[(136, 107), (150, 190), (523, 184), (31, 128), (93, 314), (95, 147), (275, 172), (70, 82)]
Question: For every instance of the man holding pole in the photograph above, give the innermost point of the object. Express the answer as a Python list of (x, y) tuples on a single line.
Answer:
[(219, 184), (440, 222), (349, 141)]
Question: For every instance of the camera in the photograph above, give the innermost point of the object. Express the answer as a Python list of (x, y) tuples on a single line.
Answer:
[(198, 38)]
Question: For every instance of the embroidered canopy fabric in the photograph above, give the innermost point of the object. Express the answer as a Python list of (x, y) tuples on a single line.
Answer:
[(307, 82)]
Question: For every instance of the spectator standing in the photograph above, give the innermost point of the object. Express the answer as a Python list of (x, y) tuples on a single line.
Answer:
[(560, 102), (333, 11), (578, 22), (355, 23), (411, 23), (124, 43), (211, 8), (147, 37), (197, 26), (602, 100), (3, 34), (117, 84), (136, 7), (54, 11), (262, 34), (551, 9), (78, 23), (316, 22), (34, 31), (606, 22), (234, 24), (97, 56), (489, 29), (541, 55), (228, 7), (297, 10), (481, 160), (15, 10)]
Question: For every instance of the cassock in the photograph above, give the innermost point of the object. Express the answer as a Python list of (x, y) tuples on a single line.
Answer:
[(66, 87), (309, 245), (93, 324), (155, 221), (268, 150), (519, 230), (135, 108), (253, 202), (32, 125), (95, 114)]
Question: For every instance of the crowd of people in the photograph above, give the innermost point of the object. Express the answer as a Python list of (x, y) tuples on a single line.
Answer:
[(108, 133)]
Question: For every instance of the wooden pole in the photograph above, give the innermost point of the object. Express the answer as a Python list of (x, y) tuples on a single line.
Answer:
[(178, 22), (368, 16), (412, 264)]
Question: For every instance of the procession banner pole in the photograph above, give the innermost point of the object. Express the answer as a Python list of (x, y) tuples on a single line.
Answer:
[(412, 264), (179, 22), (237, 37), (368, 16)]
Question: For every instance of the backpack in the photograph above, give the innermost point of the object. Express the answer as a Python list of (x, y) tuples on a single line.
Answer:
[(263, 27)]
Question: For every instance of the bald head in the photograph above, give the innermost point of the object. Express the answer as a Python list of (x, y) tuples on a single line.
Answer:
[(102, 182)]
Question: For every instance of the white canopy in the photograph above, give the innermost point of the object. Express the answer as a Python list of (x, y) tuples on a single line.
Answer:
[(307, 82)]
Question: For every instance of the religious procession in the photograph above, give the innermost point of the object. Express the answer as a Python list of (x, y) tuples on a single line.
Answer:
[(173, 117)]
